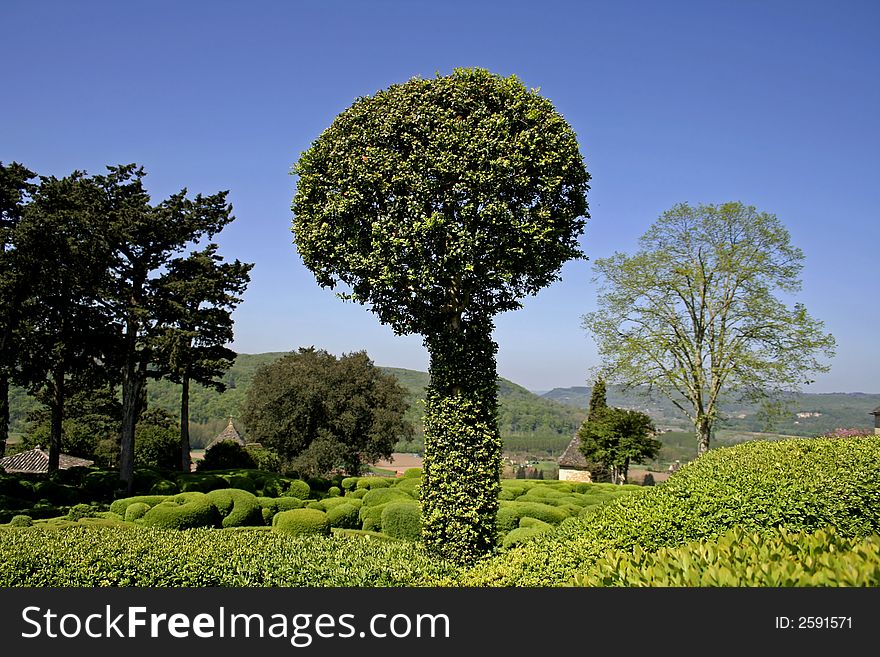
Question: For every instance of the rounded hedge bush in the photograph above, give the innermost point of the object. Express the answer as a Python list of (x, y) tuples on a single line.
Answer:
[(302, 522), (21, 520), (197, 482), (378, 496), (238, 508), (410, 485), (344, 516), (136, 511), (412, 472), (298, 488), (349, 483), (520, 535), (371, 483), (402, 520), (119, 506), (546, 512), (334, 491), (506, 520), (80, 511), (183, 511)]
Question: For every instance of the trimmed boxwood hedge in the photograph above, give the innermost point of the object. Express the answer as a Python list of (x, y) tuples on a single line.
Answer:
[(238, 508), (298, 488), (119, 506), (136, 511), (378, 496), (344, 516), (302, 522), (183, 511), (402, 520), (798, 485), (146, 557)]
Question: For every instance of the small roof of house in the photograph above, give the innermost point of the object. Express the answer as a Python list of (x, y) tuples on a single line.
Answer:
[(229, 433), (572, 457), (37, 460)]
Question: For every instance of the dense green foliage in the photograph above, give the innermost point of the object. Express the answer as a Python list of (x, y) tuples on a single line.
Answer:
[(183, 511), (225, 455), (798, 485), (320, 413), (615, 437), (238, 508), (402, 520), (117, 556), (771, 558)]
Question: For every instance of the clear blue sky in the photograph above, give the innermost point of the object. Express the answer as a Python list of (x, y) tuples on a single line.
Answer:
[(772, 103)]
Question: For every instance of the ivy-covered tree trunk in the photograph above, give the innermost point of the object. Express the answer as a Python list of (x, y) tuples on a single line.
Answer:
[(462, 466), (185, 462)]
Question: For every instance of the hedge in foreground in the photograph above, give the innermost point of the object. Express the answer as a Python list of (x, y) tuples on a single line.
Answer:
[(104, 556), (775, 558), (798, 485)]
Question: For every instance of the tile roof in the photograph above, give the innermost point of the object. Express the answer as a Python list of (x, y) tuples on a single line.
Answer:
[(229, 433), (37, 460), (572, 457)]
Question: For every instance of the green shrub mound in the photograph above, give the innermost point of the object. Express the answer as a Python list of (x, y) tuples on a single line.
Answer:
[(21, 520), (334, 491), (412, 472), (798, 485), (773, 558), (410, 485), (183, 511), (80, 511), (548, 513), (370, 483), (344, 516), (358, 493), (145, 557), (298, 488), (349, 483), (534, 522), (378, 496), (506, 520), (519, 536), (119, 506), (371, 517), (237, 508), (302, 522), (402, 520), (136, 511)]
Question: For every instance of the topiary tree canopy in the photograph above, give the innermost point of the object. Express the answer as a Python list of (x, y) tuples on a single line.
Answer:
[(439, 203)]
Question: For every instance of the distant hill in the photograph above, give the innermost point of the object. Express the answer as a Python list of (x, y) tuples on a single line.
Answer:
[(804, 414)]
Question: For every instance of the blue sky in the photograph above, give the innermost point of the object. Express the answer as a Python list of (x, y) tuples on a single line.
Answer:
[(772, 103)]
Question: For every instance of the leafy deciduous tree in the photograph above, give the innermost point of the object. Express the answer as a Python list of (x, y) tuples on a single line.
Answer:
[(320, 413), (616, 437), (694, 312), (440, 203)]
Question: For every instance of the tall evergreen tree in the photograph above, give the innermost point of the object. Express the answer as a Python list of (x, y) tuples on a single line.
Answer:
[(15, 190), (598, 399), (197, 296), (144, 239)]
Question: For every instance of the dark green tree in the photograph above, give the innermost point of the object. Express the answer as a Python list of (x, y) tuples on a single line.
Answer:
[(157, 441), (598, 399), (320, 413), (440, 203), (67, 331), (616, 437), (197, 296), (15, 190), (144, 239), (695, 313)]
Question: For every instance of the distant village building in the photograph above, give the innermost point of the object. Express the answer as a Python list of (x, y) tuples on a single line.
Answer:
[(230, 433), (36, 461), (572, 464), (876, 414)]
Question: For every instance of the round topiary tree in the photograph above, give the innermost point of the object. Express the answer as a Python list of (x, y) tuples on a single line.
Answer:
[(302, 522), (440, 203)]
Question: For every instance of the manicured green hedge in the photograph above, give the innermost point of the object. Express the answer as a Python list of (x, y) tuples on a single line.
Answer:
[(136, 511), (146, 557), (370, 483), (238, 508), (302, 522), (378, 496), (298, 488), (119, 506), (410, 485), (402, 520), (183, 511), (344, 516), (519, 536), (773, 558), (21, 521), (799, 485)]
